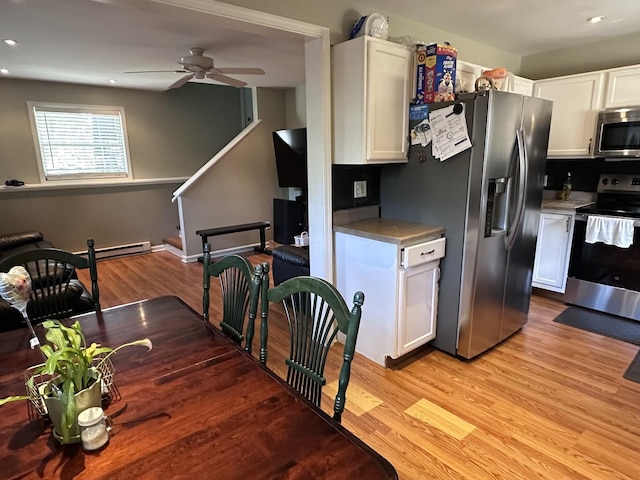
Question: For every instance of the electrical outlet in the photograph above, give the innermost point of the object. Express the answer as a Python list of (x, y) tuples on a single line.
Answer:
[(359, 189)]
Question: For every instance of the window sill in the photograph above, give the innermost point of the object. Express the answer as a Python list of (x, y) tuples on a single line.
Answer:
[(32, 187)]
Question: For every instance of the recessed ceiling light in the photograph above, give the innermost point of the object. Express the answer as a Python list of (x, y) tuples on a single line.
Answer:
[(4, 71), (595, 19), (112, 81), (10, 42)]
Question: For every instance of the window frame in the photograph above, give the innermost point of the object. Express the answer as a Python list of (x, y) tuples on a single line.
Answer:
[(79, 108)]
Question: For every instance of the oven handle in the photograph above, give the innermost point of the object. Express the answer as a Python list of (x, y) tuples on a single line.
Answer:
[(582, 217)]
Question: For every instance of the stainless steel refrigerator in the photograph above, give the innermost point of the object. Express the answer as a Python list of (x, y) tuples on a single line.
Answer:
[(488, 199)]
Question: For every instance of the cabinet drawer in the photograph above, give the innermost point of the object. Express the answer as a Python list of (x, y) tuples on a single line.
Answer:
[(423, 253)]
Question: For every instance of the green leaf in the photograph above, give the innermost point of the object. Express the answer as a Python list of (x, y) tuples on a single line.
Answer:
[(69, 410), (47, 350), (54, 335)]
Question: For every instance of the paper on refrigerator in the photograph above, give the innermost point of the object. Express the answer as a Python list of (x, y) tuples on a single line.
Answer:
[(449, 131)]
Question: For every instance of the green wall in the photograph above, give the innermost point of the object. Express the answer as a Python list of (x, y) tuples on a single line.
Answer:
[(600, 54), (339, 16), (171, 133)]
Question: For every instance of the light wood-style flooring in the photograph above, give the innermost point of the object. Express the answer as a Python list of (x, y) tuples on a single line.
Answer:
[(549, 403)]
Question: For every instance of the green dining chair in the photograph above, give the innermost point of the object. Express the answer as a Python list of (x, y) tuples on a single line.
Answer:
[(238, 292), (315, 312)]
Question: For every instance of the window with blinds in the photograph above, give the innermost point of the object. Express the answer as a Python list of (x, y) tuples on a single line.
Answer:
[(77, 142)]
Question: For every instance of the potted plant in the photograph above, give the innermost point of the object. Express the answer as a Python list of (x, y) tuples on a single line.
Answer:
[(74, 372)]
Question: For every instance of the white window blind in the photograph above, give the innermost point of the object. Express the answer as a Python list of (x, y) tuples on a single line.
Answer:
[(79, 142)]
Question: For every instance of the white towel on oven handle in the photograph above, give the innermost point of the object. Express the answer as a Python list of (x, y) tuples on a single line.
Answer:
[(610, 231)]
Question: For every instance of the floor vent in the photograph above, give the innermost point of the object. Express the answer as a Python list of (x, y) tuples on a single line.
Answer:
[(118, 250)]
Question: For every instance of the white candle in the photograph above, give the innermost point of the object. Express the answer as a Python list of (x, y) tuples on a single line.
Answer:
[(94, 437)]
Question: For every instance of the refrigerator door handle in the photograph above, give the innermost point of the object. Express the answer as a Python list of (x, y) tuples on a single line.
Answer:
[(523, 173)]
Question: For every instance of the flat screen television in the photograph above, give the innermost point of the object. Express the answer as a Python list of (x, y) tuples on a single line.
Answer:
[(290, 147)]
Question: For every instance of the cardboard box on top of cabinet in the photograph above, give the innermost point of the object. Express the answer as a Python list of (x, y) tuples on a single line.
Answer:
[(435, 73)]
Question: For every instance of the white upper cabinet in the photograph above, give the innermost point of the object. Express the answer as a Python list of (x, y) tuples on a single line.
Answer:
[(523, 86), (623, 87), (576, 101), (371, 95), (466, 74)]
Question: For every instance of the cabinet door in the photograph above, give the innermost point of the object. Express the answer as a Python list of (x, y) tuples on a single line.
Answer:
[(522, 85), (623, 87), (466, 74), (576, 100), (388, 96), (418, 294), (552, 251)]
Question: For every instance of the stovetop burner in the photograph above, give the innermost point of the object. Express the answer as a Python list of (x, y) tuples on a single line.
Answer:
[(594, 210), (618, 195)]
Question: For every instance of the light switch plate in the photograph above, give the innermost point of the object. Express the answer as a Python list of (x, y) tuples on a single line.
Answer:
[(359, 189)]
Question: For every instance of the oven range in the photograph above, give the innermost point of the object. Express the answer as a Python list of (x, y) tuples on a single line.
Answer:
[(606, 277)]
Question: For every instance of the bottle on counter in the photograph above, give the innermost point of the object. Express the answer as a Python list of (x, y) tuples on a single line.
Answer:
[(566, 188)]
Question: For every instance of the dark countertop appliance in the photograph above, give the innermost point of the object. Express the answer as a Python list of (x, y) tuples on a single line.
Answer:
[(488, 199), (606, 277)]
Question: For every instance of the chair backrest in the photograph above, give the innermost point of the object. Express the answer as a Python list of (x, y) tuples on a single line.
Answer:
[(56, 292), (316, 312), (238, 291)]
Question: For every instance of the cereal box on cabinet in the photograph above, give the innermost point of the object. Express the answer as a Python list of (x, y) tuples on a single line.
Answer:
[(436, 73)]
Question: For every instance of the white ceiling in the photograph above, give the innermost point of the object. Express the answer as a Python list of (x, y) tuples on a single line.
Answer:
[(522, 27), (91, 41)]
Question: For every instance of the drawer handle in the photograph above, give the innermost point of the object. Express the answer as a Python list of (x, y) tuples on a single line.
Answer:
[(427, 253)]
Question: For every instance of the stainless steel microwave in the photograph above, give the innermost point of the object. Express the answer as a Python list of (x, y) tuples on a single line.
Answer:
[(618, 133)]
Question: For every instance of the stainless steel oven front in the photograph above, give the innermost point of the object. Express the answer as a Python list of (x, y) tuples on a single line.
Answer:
[(604, 277)]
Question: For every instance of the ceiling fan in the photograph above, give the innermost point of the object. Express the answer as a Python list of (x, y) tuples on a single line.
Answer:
[(199, 67)]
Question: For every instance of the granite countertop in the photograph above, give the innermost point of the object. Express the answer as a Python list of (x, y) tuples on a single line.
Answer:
[(393, 231), (571, 205)]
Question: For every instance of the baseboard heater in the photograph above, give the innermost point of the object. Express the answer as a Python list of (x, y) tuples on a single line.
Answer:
[(119, 250)]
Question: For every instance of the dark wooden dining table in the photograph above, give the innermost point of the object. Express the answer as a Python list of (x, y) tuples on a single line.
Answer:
[(196, 406)]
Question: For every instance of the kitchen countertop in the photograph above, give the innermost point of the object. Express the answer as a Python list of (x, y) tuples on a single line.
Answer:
[(393, 231), (570, 205)]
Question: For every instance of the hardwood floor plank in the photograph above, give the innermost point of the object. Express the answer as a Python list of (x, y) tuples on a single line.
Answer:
[(549, 403)]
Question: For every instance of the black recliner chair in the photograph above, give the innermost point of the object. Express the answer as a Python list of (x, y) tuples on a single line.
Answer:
[(289, 262)]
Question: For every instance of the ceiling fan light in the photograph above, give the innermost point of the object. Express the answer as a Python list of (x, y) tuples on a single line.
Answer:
[(596, 19)]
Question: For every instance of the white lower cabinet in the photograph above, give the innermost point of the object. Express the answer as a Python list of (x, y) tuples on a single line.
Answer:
[(418, 306), (553, 248), (400, 304)]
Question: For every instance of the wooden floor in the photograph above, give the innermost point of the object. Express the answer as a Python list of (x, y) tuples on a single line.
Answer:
[(549, 403)]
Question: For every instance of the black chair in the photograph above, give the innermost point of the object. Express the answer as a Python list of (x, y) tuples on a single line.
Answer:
[(315, 312), (238, 292), (56, 292)]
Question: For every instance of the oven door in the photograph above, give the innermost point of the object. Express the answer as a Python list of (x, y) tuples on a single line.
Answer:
[(605, 264), (604, 277)]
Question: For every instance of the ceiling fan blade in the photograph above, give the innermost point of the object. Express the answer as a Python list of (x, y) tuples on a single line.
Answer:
[(228, 80), (159, 71), (180, 82), (241, 71)]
